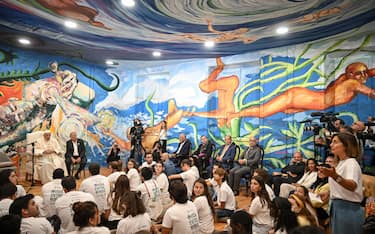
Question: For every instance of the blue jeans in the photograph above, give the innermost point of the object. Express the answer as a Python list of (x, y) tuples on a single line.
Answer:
[(346, 217), (223, 212)]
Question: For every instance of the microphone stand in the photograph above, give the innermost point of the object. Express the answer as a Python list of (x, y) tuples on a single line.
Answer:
[(32, 165)]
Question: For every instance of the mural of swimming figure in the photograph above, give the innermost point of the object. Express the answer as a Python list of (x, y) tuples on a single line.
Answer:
[(225, 87), (298, 99), (151, 133)]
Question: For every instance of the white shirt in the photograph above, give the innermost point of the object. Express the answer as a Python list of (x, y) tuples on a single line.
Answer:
[(196, 172), (36, 225), (214, 185), (206, 219), (92, 230), (270, 192), (131, 225), (308, 179), (261, 215), (348, 169), (163, 183), (134, 179), (182, 218), (163, 134), (112, 178), (20, 191), (226, 195), (75, 148), (4, 206), (64, 209), (113, 215), (189, 177), (51, 192), (145, 164), (98, 186), (151, 197)]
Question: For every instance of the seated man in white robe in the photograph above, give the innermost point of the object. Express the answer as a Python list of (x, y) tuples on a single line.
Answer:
[(48, 157)]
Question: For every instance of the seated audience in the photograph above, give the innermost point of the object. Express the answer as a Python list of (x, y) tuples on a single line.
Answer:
[(247, 162), (284, 219), (183, 149), (260, 206), (203, 154), (115, 201), (133, 175), (87, 217), (369, 225), (65, 203), (7, 195), (10, 176), (182, 217), (169, 167), (26, 208), (116, 167), (150, 194), (308, 178), (51, 191), (163, 183), (188, 175), (331, 160), (241, 222), (289, 174), (226, 202), (345, 184), (227, 153), (264, 174), (98, 186), (75, 153), (10, 224), (304, 217), (319, 195), (205, 207), (48, 157), (303, 194), (213, 187), (148, 161), (136, 219), (113, 154)]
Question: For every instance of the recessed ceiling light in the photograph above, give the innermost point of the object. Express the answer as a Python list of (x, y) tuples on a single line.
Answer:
[(109, 62), (128, 3), (282, 30), (156, 54), (24, 41), (209, 44), (70, 24)]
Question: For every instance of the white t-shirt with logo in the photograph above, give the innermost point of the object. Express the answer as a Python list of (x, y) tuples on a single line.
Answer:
[(36, 225), (145, 164), (51, 192), (189, 177), (92, 230), (226, 195), (131, 225), (112, 178), (182, 218), (163, 183), (151, 197), (64, 205), (261, 215), (206, 219), (98, 186), (4, 206), (134, 179)]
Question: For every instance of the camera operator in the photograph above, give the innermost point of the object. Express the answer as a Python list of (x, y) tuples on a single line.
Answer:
[(136, 133), (358, 128)]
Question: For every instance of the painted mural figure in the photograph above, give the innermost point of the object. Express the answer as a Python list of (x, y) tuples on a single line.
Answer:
[(225, 87), (298, 99)]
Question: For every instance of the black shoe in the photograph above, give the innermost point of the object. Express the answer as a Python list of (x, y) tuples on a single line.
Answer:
[(76, 176), (236, 193)]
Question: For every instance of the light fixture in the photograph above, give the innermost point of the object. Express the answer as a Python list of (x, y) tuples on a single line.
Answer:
[(209, 44), (282, 30), (70, 24), (156, 54), (24, 41), (128, 3), (109, 62)]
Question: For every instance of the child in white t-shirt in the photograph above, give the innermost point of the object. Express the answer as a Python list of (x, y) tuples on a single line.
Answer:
[(148, 161), (162, 180), (188, 176), (205, 207), (133, 175), (116, 167), (226, 201), (8, 194)]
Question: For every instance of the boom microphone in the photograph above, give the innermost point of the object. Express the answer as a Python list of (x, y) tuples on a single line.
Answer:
[(315, 114), (306, 121)]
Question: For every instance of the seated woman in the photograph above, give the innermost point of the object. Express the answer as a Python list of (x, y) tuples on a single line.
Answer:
[(284, 219), (10, 176), (226, 202), (304, 217), (319, 196), (86, 217), (308, 178), (113, 154), (303, 193)]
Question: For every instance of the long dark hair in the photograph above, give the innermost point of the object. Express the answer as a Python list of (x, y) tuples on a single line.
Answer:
[(83, 211), (4, 176), (281, 211), (134, 163), (133, 203), (205, 193), (263, 194), (121, 187)]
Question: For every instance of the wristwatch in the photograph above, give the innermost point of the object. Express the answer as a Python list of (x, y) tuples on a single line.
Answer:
[(338, 179)]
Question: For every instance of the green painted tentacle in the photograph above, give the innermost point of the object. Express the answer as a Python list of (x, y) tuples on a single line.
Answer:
[(23, 75), (148, 108), (103, 86)]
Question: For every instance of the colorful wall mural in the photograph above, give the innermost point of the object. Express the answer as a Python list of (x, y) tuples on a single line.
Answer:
[(264, 94)]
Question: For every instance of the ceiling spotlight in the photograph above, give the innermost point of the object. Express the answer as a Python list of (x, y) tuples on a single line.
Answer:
[(109, 62), (282, 30), (24, 41), (156, 54), (128, 3), (209, 44), (70, 24)]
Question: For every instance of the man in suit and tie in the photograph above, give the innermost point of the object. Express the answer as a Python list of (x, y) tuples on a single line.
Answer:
[(75, 153), (247, 162), (227, 153), (183, 149)]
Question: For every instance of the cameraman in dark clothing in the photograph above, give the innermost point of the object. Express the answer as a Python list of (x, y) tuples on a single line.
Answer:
[(136, 133), (289, 174)]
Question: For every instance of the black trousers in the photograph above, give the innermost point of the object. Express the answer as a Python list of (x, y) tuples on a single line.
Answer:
[(82, 164)]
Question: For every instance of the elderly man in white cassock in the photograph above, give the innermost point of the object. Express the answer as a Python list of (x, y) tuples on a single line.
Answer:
[(48, 158)]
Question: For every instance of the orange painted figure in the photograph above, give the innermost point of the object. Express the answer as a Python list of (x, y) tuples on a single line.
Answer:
[(13, 90), (225, 87), (298, 99)]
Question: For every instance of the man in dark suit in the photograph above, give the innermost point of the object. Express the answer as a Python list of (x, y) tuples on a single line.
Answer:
[(203, 154), (183, 149), (75, 154), (227, 153)]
